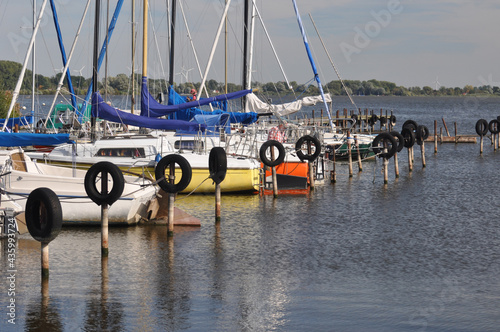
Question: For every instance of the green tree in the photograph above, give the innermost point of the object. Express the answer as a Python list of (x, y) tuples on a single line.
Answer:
[(5, 100)]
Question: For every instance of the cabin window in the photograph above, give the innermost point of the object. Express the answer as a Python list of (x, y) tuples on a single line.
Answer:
[(188, 145), (121, 152)]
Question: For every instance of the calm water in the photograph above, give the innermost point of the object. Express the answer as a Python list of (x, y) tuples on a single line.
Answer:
[(421, 253)]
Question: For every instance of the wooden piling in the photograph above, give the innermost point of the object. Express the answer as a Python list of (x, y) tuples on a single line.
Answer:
[(45, 260), (386, 170), (360, 166), (422, 150), (104, 217), (104, 230), (217, 202), (410, 160), (171, 202), (445, 127), (456, 133), (333, 174), (274, 176), (435, 137), (349, 153), (396, 165), (481, 144)]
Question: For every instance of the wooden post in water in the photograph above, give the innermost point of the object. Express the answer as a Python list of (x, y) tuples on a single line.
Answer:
[(217, 202), (422, 150), (456, 133), (386, 170), (171, 202), (275, 178), (435, 137), (360, 166), (396, 165), (333, 174), (349, 153), (311, 167), (104, 229), (104, 217), (446, 127), (410, 160), (45, 260)]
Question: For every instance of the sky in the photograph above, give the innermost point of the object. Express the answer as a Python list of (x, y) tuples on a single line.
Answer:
[(411, 43)]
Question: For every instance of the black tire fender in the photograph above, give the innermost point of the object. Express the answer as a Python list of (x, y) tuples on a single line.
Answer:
[(43, 214), (392, 118), (378, 145), (217, 164), (400, 140), (98, 197), (409, 136), (270, 144), (410, 123), (308, 139), (494, 126), (164, 164), (422, 134), (481, 127)]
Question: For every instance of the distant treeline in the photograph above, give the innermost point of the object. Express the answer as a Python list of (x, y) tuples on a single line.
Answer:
[(122, 84)]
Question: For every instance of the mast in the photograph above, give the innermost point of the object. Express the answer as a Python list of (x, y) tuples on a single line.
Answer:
[(172, 43), (313, 65), (145, 39), (15, 93), (245, 50), (133, 58), (33, 85), (95, 66)]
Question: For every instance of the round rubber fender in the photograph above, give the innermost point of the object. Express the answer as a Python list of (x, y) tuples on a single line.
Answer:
[(409, 137), (382, 140), (308, 139), (481, 127), (383, 120), (355, 117), (392, 118), (271, 144), (494, 126), (374, 118), (422, 134), (217, 164), (164, 165), (410, 123), (43, 214), (400, 140), (104, 168)]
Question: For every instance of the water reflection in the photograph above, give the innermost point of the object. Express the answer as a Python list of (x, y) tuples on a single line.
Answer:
[(44, 315), (103, 311)]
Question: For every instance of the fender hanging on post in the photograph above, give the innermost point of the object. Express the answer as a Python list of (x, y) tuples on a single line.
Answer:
[(91, 177), (217, 164), (379, 143), (494, 126), (306, 156), (409, 137), (482, 127), (43, 215), (400, 140), (271, 144), (422, 134), (164, 164)]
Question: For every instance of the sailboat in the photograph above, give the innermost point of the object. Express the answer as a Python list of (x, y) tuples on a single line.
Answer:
[(140, 153)]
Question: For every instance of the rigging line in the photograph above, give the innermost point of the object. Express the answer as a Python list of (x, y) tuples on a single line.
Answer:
[(155, 38), (333, 64)]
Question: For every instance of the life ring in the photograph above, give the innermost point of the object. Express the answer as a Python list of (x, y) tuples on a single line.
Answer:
[(383, 140), (217, 164), (494, 126), (43, 215), (308, 139), (110, 196), (410, 123), (481, 127), (271, 144), (163, 166), (422, 134), (400, 140), (409, 136)]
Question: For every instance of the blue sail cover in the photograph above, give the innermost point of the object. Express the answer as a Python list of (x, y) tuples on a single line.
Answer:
[(21, 121), (216, 123), (151, 108), (107, 112), (187, 114), (28, 139)]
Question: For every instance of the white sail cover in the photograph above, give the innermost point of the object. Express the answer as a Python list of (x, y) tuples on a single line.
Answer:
[(254, 104)]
